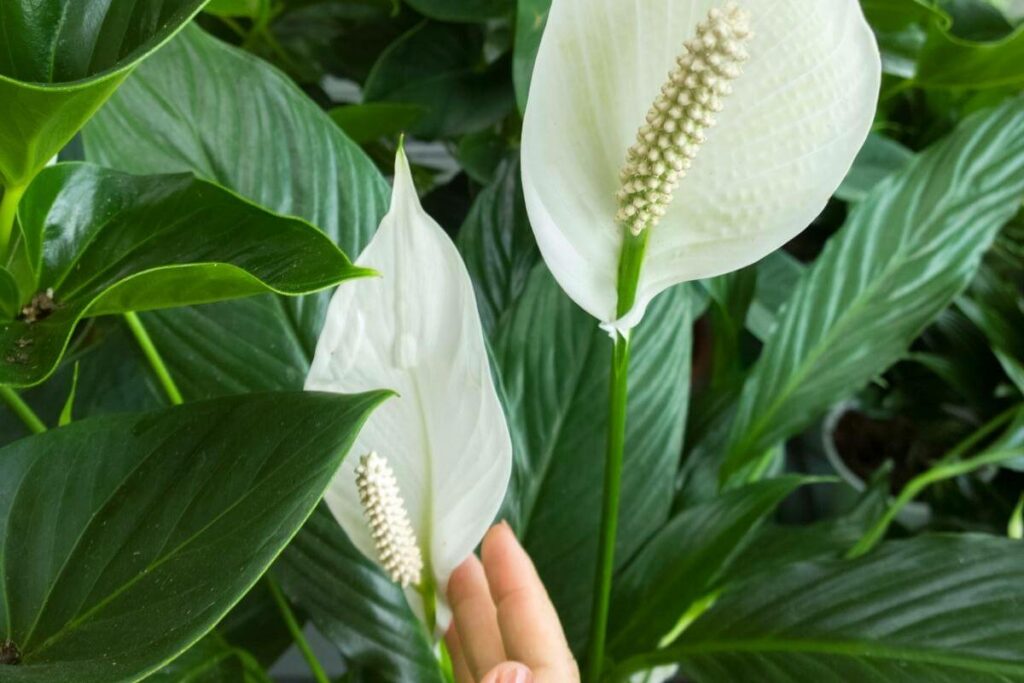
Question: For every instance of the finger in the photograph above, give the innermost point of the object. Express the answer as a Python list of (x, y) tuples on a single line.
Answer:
[(475, 617), (459, 666), (509, 672), (529, 624)]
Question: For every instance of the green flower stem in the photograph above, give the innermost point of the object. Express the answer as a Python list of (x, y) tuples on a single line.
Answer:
[(296, 630), (941, 472), (8, 212), (630, 263), (22, 410), (153, 356), (428, 591)]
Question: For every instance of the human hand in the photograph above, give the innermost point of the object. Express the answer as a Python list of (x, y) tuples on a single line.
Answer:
[(504, 627)]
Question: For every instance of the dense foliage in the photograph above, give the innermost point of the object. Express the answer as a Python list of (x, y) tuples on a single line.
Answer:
[(824, 474)]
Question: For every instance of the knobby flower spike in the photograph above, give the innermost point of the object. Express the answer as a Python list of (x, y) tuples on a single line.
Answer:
[(437, 458), (749, 115), (635, 181)]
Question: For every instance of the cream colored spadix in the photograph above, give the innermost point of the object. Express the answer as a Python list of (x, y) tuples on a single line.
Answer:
[(416, 330), (790, 87), (397, 547)]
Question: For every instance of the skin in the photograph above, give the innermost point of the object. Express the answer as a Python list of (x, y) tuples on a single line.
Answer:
[(504, 627)]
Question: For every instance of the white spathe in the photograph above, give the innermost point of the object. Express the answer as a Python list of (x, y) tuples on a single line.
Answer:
[(416, 330), (787, 136)]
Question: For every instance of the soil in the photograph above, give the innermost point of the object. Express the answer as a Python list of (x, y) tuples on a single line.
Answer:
[(866, 443), (41, 306)]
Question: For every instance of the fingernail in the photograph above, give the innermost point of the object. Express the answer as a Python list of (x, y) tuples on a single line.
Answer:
[(516, 674)]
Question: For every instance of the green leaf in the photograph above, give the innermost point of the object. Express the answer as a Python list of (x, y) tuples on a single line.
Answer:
[(941, 609), (996, 307), (116, 243), (462, 10), (128, 537), (61, 61), (948, 61), (439, 67), (682, 562), (531, 17), (368, 122), (905, 253), (10, 295), (354, 604), (554, 364), (240, 122), (777, 277), (879, 158), (497, 244), (237, 8), (211, 660)]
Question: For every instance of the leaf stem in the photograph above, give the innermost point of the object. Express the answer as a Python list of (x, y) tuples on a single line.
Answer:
[(153, 356), (941, 472), (296, 630), (22, 410), (8, 213), (610, 506)]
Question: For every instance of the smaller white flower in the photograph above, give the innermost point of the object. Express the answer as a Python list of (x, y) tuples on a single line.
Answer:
[(439, 456)]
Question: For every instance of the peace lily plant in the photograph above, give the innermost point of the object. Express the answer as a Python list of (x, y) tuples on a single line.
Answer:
[(675, 140), (436, 460)]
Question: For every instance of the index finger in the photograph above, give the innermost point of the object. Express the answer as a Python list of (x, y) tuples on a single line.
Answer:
[(528, 621)]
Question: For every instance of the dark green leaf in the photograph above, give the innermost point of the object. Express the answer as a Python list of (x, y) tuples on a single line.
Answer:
[(368, 122), (440, 67), (943, 609), (903, 256), (462, 10), (554, 363), (112, 243), (531, 16), (682, 562), (243, 124), (354, 605), (211, 660), (497, 243), (61, 61), (127, 538)]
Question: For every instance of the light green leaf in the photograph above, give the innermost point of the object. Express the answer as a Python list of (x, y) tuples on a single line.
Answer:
[(354, 604), (879, 158), (127, 538), (942, 609), (554, 363), (682, 562), (116, 243), (60, 63), (905, 253)]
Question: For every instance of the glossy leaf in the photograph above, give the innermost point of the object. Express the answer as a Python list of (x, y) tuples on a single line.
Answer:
[(554, 364), (272, 145), (497, 245), (128, 537), (682, 562), (905, 253), (941, 609), (879, 158), (116, 243), (437, 66), (354, 604), (60, 63)]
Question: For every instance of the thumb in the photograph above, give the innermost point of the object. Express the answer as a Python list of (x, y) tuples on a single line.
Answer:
[(509, 672)]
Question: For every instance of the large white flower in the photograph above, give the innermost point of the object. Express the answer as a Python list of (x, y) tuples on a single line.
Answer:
[(792, 117), (415, 330)]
